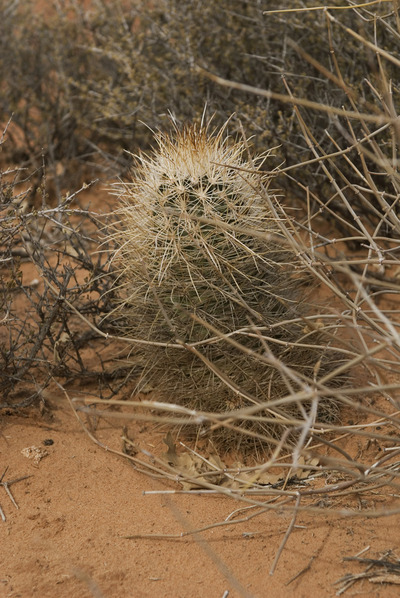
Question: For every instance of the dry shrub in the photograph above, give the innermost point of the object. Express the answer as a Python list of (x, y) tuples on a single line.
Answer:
[(81, 82), (69, 79), (51, 279)]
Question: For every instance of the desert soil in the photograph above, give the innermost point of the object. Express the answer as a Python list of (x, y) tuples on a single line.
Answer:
[(67, 536)]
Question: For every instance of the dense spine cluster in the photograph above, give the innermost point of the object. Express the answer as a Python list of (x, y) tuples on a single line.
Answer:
[(209, 280)]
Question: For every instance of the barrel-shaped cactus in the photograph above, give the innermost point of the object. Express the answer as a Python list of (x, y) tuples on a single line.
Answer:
[(208, 278)]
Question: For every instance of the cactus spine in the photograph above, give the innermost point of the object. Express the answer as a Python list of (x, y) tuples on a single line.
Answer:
[(208, 277)]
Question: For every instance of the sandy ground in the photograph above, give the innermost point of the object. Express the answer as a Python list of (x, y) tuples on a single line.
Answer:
[(67, 536)]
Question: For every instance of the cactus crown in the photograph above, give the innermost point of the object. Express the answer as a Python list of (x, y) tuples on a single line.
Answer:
[(182, 216)]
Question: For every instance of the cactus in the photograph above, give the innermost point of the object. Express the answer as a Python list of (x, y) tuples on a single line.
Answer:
[(209, 279)]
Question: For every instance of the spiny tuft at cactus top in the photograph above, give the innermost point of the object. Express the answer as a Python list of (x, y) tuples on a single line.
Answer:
[(208, 278)]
